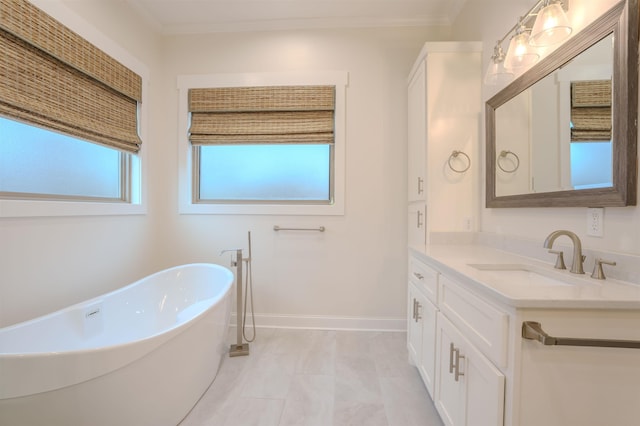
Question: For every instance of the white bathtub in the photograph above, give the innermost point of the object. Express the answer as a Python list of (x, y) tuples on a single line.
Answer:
[(141, 355)]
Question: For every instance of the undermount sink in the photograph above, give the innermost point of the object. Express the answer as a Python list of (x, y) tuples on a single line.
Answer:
[(519, 274)]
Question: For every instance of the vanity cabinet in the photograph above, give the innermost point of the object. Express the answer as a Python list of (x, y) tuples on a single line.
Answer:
[(445, 322), (487, 373)]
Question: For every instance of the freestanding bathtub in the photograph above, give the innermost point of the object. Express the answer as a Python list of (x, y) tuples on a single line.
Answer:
[(139, 356)]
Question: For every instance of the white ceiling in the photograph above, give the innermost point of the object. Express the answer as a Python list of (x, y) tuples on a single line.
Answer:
[(201, 16)]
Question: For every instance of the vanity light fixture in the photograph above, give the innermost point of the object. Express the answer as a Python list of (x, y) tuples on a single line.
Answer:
[(520, 54), (551, 26), (497, 73)]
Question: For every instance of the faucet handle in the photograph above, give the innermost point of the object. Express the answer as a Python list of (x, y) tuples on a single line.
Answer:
[(559, 260), (598, 272)]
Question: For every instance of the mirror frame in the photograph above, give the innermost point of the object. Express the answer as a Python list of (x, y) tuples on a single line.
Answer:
[(622, 21)]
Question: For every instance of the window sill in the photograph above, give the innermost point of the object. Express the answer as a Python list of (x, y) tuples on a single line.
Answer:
[(31, 208), (335, 209)]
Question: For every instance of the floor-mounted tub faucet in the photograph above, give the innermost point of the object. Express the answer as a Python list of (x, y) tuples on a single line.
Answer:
[(578, 258)]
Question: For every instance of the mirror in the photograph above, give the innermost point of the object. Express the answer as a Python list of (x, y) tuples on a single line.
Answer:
[(564, 133)]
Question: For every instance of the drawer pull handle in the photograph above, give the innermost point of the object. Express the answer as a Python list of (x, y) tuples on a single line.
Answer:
[(418, 276), (451, 351), (458, 357), (419, 224), (414, 308), (418, 307), (420, 185)]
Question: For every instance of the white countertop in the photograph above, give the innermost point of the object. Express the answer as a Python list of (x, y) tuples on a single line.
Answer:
[(547, 288)]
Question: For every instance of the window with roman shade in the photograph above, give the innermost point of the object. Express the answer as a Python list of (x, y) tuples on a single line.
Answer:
[(53, 78), (263, 144), (262, 115), (591, 111)]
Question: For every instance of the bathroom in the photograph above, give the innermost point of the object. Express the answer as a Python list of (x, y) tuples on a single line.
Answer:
[(354, 274)]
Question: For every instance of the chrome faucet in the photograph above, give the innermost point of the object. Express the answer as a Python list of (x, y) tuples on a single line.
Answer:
[(578, 258)]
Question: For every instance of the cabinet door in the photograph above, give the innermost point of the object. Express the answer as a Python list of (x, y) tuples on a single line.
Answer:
[(417, 226), (414, 327), (421, 335), (470, 389), (417, 134), (449, 393), (428, 314)]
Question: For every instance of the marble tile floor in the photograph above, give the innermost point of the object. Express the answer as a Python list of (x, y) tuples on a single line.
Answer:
[(317, 378)]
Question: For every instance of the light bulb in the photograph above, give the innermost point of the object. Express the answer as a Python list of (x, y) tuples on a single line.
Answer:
[(520, 54), (551, 26)]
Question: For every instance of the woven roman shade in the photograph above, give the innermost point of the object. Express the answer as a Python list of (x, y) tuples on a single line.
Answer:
[(262, 115), (53, 78), (591, 111)]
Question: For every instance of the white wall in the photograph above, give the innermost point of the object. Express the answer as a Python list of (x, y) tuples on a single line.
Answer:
[(47, 263), (489, 20), (355, 269)]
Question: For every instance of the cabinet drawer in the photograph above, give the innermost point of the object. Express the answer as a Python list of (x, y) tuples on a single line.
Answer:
[(484, 325), (425, 278)]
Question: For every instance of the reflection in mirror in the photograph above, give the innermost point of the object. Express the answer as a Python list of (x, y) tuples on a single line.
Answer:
[(564, 133), (560, 128)]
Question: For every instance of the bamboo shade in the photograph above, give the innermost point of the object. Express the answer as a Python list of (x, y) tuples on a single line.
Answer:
[(591, 111), (52, 77), (254, 115)]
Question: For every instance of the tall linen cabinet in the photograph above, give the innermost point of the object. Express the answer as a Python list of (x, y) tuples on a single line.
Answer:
[(444, 126), (444, 113)]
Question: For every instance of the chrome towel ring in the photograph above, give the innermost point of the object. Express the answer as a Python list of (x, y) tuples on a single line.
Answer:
[(503, 155), (454, 155)]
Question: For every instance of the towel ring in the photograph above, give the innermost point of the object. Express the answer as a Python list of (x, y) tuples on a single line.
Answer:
[(503, 154), (455, 154)]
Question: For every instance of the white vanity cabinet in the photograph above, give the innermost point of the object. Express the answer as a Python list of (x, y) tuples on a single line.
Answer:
[(488, 373), (444, 322), (421, 325)]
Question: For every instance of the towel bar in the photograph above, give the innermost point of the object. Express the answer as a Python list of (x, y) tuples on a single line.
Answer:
[(319, 229), (532, 330)]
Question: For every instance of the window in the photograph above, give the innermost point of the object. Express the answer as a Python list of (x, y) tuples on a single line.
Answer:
[(243, 161), (60, 167), (69, 117), (269, 173)]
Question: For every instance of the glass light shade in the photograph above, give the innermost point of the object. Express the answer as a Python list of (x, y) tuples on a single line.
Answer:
[(520, 54), (497, 74), (551, 26)]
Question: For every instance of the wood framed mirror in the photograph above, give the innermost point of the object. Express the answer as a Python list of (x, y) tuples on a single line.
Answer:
[(531, 158)]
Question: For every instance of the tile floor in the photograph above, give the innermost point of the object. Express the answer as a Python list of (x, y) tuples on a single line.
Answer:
[(317, 378)]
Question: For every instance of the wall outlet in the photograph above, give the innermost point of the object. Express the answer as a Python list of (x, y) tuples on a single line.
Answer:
[(595, 222)]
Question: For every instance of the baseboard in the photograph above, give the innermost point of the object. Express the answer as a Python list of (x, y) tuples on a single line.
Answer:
[(325, 322)]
